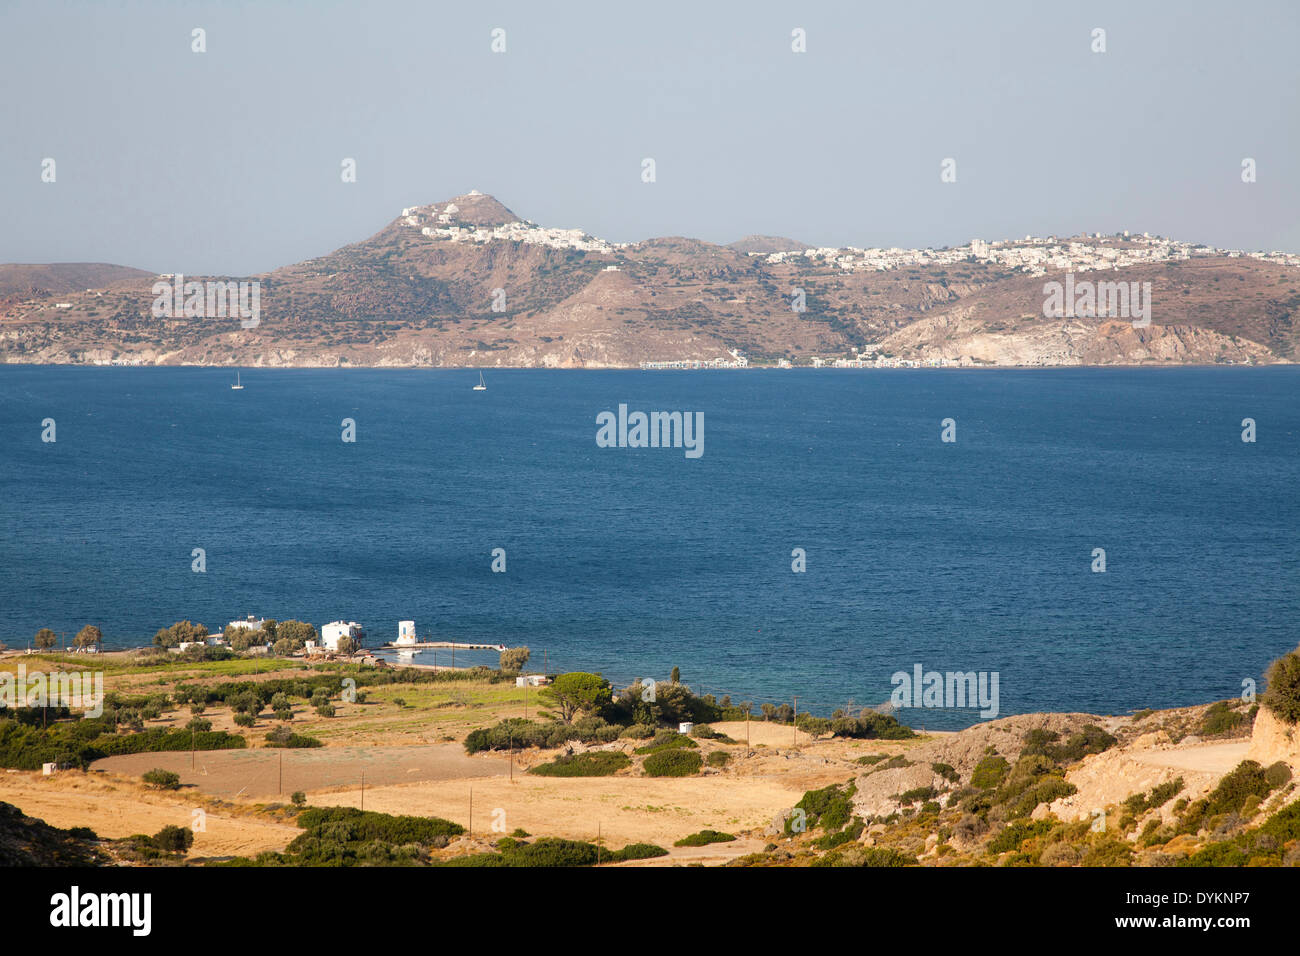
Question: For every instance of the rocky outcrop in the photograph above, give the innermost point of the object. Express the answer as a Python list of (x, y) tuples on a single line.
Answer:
[(1272, 739)]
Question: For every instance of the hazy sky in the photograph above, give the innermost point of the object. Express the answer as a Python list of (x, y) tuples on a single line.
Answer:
[(228, 161)]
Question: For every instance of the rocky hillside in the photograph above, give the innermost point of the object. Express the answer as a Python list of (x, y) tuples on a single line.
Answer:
[(467, 282)]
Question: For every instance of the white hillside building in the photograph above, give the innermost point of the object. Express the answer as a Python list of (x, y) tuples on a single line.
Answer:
[(333, 632), (406, 632)]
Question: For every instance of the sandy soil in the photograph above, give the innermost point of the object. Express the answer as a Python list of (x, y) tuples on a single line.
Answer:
[(620, 809), (256, 774), (115, 807)]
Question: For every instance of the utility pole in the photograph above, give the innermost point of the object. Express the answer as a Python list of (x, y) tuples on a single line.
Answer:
[(363, 791), (192, 734), (598, 844), (471, 812), (282, 773), (748, 707), (796, 720)]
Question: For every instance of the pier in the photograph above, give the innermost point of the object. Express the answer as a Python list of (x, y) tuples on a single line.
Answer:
[(419, 645)]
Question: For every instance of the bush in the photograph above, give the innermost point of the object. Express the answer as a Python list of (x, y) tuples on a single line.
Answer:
[(284, 737), (1248, 780), (162, 779), (668, 740), (704, 838), (598, 763), (672, 763), (830, 807), (174, 839), (989, 772), (870, 725), (638, 851), (639, 731), (866, 857), (918, 793), (1282, 695), (719, 758), (947, 771), (1219, 718), (1277, 775)]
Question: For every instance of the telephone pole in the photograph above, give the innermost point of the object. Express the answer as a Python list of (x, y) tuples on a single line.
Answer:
[(796, 720)]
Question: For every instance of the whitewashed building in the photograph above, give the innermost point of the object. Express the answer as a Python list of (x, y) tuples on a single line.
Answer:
[(406, 632), (333, 632)]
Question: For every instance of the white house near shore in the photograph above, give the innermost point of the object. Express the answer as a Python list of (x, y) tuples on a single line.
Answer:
[(333, 632), (406, 632), (250, 622)]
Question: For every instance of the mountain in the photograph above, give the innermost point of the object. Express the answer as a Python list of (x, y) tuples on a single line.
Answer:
[(767, 244), (19, 281), (467, 282)]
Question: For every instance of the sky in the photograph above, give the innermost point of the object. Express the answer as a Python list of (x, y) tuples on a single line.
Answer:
[(229, 161)]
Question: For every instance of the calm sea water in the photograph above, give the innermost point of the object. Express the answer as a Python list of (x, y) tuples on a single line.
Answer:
[(967, 556)]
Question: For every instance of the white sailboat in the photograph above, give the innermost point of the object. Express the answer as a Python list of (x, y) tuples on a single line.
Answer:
[(237, 382), (480, 387)]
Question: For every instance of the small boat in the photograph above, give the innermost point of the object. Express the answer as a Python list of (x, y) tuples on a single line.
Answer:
[(480, 387), (237, 382)]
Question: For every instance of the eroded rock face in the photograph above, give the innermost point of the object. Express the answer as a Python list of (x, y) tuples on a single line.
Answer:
[(1272, 739)]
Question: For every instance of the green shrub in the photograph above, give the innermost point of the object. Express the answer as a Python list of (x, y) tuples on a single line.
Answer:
[(1016, 834), (173, 839), (673, 762), (162, 779), (637, 851), (597, 763), (1247, 780), (704, 838), (947, 771), (865, 857), (918, 793), (870, 725), (989, 772), (1282, 695), (667, 740), (1219, 718), (284, 737), (639, 731), (1277, 775), (830, 807), (719, 758)]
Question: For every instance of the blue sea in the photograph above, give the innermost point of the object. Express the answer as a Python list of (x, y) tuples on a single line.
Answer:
[(974, 555)]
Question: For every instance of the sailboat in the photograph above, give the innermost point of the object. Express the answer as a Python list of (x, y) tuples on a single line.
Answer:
[(237, 382), (480, 387)]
